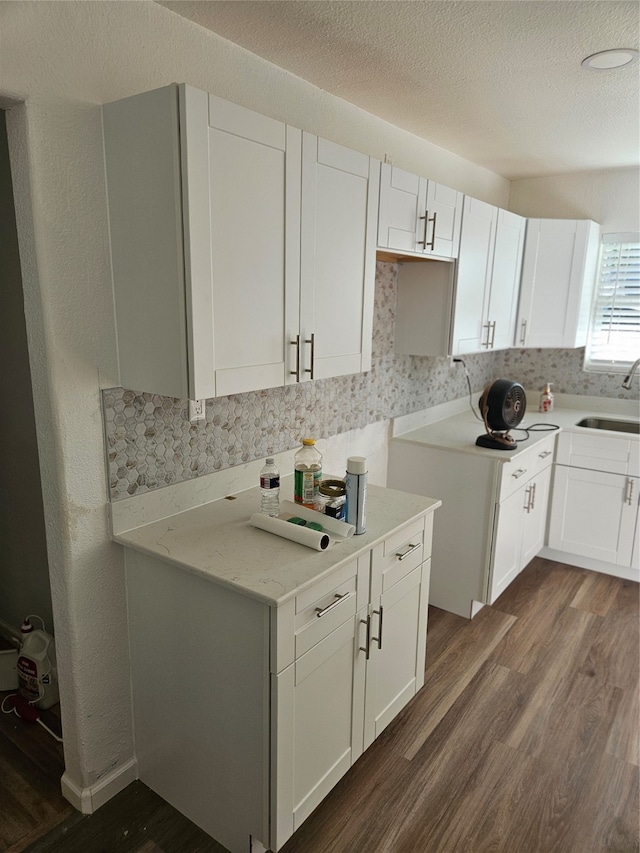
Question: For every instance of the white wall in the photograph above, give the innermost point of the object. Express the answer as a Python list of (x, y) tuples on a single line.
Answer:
[(610, 197), (63, 60)]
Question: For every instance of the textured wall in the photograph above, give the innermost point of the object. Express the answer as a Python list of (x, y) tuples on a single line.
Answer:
[(610, 197), (24, 575)]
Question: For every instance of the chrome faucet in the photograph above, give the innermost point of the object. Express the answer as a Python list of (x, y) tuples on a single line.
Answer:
[(626, 382)]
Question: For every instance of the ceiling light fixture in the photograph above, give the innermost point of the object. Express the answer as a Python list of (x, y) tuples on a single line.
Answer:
[(607, 59)]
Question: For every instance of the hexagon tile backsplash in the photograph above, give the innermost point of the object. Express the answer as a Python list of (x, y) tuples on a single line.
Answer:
[(150, 442)]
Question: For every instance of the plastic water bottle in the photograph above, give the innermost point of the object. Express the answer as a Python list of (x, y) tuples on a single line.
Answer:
[(270, 488)]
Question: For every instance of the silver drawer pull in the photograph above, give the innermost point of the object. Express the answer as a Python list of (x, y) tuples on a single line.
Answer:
[(517, 474), (410, 549), (322, 611), (544, 454)]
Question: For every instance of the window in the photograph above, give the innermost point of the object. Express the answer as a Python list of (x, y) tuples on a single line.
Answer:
[(614, 330)]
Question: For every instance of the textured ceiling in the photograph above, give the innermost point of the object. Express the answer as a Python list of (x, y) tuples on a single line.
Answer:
[(498, 82)]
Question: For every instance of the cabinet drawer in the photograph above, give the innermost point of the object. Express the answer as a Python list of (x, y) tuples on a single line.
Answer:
[(402, 552), (324, 607), (595, 452), (527, 465)]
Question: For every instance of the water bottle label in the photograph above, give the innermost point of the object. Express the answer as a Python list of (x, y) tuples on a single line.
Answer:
[(270, 481)]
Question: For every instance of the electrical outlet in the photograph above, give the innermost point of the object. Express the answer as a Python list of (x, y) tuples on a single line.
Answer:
[(388, 160), (196, 410)]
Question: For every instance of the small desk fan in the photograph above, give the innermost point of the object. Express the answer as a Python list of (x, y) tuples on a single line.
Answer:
[(502, 406)]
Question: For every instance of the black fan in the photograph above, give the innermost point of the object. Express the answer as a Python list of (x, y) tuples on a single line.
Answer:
[(502, 406)]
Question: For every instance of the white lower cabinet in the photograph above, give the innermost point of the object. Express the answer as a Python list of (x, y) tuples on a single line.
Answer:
[(337, 696), (520, 530), (595, 514), (246, 715), (492, 520), (595, 506)]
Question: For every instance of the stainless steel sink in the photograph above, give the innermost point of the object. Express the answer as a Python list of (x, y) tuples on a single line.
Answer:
[(610, 423)]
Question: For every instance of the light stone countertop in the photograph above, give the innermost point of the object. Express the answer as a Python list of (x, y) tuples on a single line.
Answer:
[(217, 541), (459, 431)]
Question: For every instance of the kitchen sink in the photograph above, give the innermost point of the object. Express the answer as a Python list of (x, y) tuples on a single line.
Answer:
[(610, 423)]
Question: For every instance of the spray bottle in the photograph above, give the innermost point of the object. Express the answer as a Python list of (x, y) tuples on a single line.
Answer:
[(37, 669)]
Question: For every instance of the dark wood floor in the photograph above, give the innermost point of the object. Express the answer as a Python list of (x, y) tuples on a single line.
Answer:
[(524, 740)]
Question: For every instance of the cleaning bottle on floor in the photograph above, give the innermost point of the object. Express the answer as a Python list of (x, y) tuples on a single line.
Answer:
[(37, 669)]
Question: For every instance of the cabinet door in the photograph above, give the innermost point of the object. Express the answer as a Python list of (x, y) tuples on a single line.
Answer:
[(402, 202), (594, 514), (507, 547), (254, 222), (558, 275), (313, 720), (440, 229), (338, 243), (470, 333), (535, 522), (505, 278), (396, 650)]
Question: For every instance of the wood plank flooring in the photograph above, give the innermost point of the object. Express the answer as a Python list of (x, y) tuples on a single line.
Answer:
[(525, 739)]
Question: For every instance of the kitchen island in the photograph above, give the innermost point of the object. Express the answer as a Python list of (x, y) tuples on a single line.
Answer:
[(262, 669)]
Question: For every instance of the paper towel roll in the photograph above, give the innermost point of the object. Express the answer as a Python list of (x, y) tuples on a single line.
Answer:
[(333, 530), (316, 539)]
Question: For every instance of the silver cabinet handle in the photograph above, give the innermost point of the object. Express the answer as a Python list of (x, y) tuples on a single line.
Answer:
[(367, 647), (296, 344), (401, 555), (533, 495), (527, 503), (517, 474), (523, 332), (544, 454), (630, 486), (322, 611), (378, 639), (493, 334), (423, 242), (486, 343), (432, 244), (312, 341)]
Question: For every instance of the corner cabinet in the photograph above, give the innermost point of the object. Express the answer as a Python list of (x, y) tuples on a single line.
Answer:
[(447, 309), (487, 279), (280, 699), (558, 277), (418, 216), (209, 222)]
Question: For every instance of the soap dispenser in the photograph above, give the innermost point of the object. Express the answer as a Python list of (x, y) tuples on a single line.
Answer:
[(546, 398)]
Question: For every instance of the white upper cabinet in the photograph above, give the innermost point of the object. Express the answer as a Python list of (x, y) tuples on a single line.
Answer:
[(209, 228), (487, 278), (418, 216), (505, 278), (558, 277), (337, 272)]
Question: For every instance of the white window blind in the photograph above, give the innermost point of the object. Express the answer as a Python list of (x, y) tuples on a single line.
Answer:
[(614, 335)]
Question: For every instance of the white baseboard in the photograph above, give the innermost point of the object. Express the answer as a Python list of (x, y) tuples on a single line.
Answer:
[(88, 800), (624, 572)]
